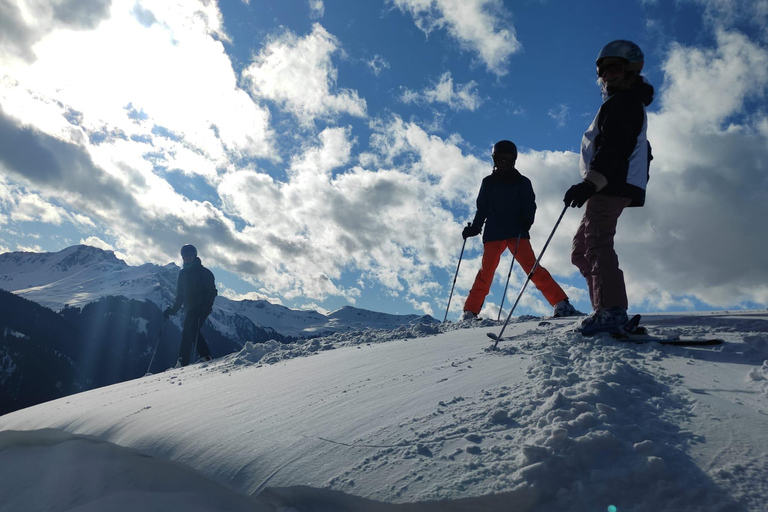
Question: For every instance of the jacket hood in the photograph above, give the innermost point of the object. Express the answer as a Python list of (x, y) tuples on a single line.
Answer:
[(510, 174), (193, 263), (642, 88)]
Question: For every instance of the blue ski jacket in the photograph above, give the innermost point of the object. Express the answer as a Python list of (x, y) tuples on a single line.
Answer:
[(506, 204), (195, 289)]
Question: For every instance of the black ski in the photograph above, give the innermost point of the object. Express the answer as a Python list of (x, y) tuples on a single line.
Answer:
[(650, 338), (635, 333)]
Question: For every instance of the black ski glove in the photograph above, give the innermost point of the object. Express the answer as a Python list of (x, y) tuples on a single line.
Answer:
[(471, 231), (578, 194)]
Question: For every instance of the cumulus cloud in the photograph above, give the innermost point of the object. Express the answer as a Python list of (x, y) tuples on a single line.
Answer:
[(480, 26), (23, 24), (461, 97), (298, 74), (143, 91), (707, 188), (343, 216)]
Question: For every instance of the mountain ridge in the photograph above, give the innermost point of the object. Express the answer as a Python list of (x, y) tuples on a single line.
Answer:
[(82, 274)]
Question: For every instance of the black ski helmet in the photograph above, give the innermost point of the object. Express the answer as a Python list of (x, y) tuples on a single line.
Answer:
[(623, 49), (188, 250), (504, 146)]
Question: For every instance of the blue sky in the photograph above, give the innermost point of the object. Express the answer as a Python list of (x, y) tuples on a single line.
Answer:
[(322, 153)]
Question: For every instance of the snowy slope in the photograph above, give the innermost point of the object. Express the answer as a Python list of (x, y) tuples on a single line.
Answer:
[(82, 274), (424, 415)]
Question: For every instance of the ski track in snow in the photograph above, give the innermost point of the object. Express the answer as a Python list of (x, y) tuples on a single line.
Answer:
[(549, 422)]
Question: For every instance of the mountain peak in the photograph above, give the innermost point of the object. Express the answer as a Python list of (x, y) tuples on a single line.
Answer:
[(84, 255)]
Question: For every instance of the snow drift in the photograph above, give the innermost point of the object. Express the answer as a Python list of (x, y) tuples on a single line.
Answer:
[(424, 418)]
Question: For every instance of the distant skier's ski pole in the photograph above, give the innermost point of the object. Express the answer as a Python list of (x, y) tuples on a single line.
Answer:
[(514, 255), (455, 276), (535, 266), (194, 347), (162, 325)]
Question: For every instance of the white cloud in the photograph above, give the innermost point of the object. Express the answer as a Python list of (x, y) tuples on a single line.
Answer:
[(174, 75), (378, 64), (316, 9), (481, 26), (255, 296), (25, 206), (707, 188), (297, 73), (95, 241), (330, 217), (462, 97), (561, 113), (726, 14)]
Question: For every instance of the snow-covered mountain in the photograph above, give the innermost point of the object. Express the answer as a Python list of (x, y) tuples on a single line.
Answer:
[(423, 419), (81, 274)]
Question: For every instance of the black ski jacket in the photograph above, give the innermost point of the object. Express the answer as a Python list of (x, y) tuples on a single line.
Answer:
[(195, 289), (506, 204), (615, 153)]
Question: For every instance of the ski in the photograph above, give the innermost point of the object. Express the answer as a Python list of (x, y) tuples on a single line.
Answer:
[(633, 332), (662, 340)]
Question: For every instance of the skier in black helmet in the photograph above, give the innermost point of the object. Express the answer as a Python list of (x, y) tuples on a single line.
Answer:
[(506, 205), (615, 162), (195, 291)]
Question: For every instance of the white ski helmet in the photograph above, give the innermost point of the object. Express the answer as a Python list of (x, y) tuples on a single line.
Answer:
[(623, 49)]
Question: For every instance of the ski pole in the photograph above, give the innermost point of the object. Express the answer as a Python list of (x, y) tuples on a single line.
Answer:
[(160, 335), (455, 276), (514, 255), (194, 347), (535, 266)]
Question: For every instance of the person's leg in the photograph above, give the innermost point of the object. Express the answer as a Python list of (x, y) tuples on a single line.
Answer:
[(602, 215), (482, 285), (541, 278), (187, 337), (579, 256), (202, 345)]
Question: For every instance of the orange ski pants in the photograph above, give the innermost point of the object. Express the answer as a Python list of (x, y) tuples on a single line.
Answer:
[(492, 252)]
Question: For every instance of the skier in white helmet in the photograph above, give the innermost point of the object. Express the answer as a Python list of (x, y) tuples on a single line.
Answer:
[(615, 160)]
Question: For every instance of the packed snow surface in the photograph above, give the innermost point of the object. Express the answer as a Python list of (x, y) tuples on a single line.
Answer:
[(424, 418)]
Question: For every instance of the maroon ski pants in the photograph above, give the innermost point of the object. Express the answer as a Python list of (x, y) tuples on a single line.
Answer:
[(593, 252)]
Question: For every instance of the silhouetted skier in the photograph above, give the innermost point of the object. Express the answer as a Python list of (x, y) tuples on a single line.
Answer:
[(195, 291)]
